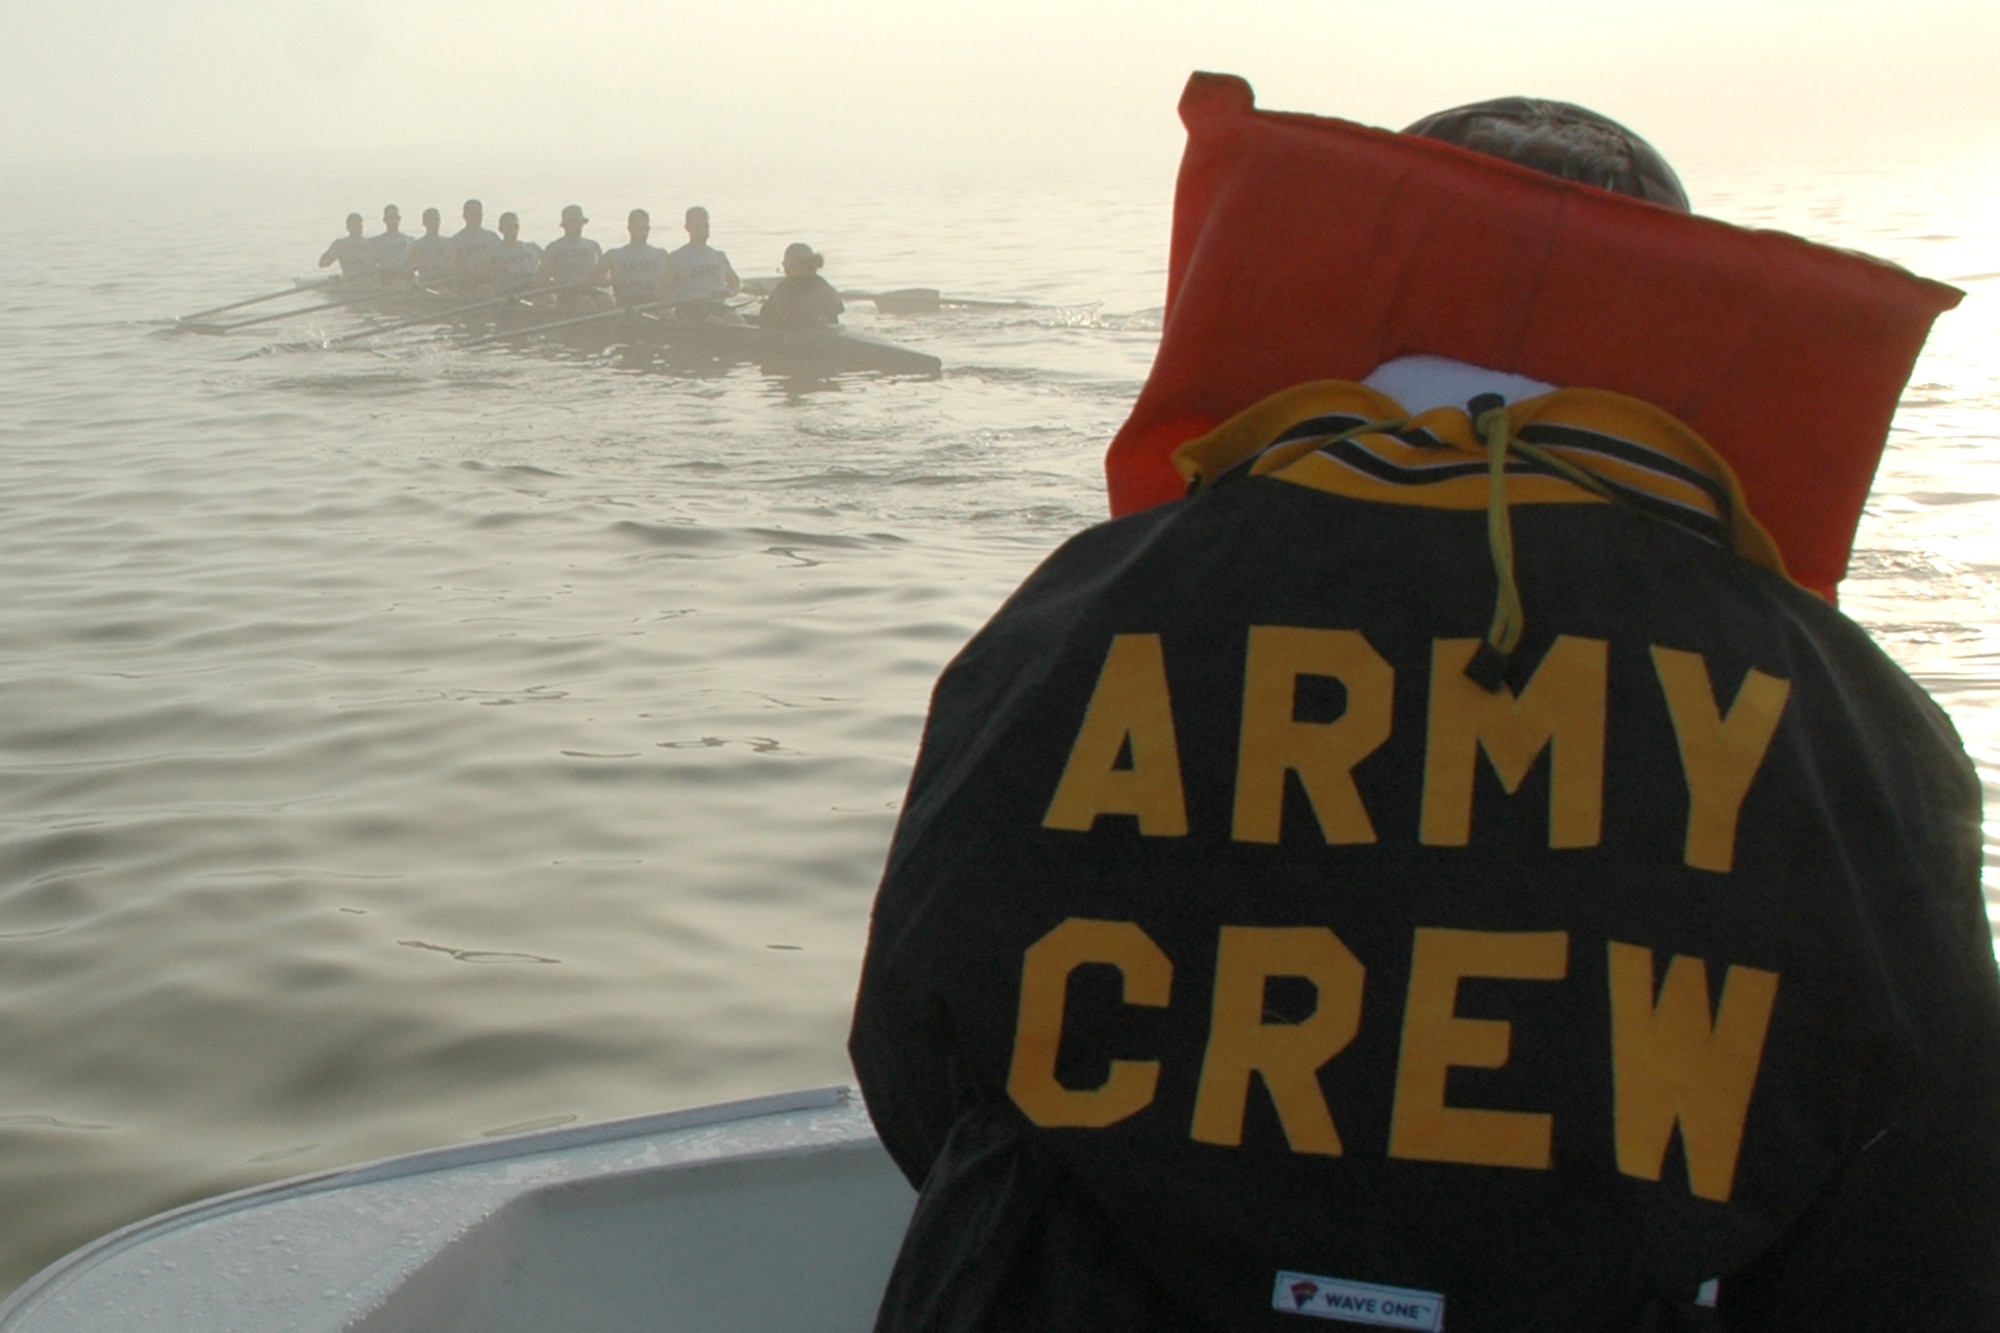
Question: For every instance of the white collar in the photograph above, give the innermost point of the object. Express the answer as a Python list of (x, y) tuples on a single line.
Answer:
[(1420, 383)]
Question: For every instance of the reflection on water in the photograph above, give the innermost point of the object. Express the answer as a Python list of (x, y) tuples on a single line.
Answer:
[(401, 743)]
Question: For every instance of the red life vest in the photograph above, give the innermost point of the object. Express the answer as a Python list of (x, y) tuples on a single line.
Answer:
[(1307, 248)]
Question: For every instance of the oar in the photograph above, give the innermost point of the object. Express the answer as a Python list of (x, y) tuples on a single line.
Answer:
[(907, 301), (928, 300), (292, 290), (974, 303), (902, 301), (287, 314), (441, 315), (570, 323)]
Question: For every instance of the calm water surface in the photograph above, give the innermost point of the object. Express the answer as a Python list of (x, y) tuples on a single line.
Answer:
[(403, 743)]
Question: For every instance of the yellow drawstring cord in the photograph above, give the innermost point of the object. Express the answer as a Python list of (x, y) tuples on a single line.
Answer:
[(1490, 420), (1503, 636)]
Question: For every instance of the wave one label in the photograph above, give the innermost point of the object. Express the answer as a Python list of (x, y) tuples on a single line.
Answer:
[(1358, 1302)]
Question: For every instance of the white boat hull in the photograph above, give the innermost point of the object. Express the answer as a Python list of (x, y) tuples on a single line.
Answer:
[(780, 1213)]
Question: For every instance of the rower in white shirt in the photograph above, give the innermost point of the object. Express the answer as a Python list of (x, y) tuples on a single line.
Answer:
[(390, 250), (351, 251), (571, 259), (472, 245), (513, 263), (637, 270), (430, 253), (700, 276)]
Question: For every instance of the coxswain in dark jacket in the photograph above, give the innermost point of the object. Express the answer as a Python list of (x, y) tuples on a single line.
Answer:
[(1440, 874), (803, 299)]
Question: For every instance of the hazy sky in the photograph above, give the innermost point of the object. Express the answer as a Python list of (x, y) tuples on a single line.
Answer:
[(886, 80)]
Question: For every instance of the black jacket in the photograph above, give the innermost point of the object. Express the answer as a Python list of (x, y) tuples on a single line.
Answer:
[(1233, 961)]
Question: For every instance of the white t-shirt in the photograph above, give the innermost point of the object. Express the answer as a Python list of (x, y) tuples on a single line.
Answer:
[(471, 246), (430, 255), (391, 250), (353, 254), (515, 262), (701, 273), (636, 271), (572, 260)]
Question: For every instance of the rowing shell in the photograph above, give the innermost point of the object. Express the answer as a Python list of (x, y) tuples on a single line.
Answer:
[(830, 350), (822, 351)]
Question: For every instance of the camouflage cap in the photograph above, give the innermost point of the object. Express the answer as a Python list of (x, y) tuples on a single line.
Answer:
[(1561, 139)]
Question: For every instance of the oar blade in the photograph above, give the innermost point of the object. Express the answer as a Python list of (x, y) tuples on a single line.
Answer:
[(907, 301), (929, 301)]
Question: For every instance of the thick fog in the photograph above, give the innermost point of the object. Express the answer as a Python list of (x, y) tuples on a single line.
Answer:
[(867, 84)]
